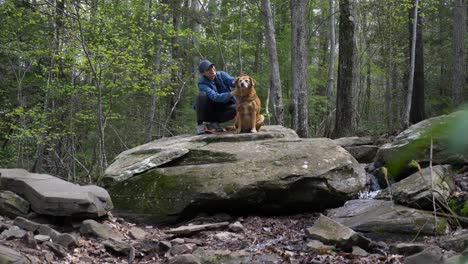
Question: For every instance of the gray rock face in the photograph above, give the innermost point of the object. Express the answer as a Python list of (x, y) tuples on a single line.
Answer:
[(363, 153), (458, 243), (407, 249), (26, 224), (184, 259), (383, 218), (353, 141), (9, 256), (331, 232), (100, 230), (50, 195), (13, 205), (415, 190), (13, 232), (428, 255), (273, 171), (362, 148)]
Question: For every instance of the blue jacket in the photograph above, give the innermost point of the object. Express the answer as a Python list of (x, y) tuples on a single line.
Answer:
[(217, 90)]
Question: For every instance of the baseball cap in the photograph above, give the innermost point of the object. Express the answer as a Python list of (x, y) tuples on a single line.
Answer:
[(204, 65)]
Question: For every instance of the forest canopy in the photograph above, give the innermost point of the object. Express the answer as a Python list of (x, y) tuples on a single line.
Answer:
[(82, 81)]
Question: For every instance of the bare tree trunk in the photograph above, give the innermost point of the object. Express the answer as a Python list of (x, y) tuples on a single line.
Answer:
[(459, 67), (388, 103), (397, 95), (409, 95), (153, 99), (345, 103), (299, 105), (58, 25), (275, 80), (326, 125), (100, 118), (258, 65), (241, 70), (153, 96), (418, 112), (331, 67)]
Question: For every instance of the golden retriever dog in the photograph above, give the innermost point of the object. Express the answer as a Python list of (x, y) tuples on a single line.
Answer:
[(248, 118)]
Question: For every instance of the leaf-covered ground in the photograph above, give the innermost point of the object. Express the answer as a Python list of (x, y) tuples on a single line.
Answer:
[(281, 238)]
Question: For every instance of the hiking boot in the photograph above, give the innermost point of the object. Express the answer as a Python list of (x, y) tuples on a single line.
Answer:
[(200, 129), (215, 127)]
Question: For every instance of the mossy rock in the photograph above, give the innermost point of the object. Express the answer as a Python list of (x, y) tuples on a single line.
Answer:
[(272, 172)]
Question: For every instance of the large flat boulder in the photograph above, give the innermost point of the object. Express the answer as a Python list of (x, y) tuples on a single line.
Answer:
[(273, 171), (50, 195)]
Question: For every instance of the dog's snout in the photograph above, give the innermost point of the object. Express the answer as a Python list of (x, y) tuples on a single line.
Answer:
[(244, 83)]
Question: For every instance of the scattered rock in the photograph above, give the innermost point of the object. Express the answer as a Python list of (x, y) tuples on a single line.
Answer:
[(330, 232), (137, 233), (186, 230), (49, 257), (9, 256), (117, 246), (13, 232), (428, 255), (178, 241), (182, 249), (66, 240), (222, 256), (101, 230), (184, 259), (26, 224), (13, 205), (357, 251), (318, 247), (458, 243), (48, 231), (59, 250), (416, 190), (197, 242), (407, 249), (379, 218), (236, 227), (30, 240), (42, 238), (164, 246)]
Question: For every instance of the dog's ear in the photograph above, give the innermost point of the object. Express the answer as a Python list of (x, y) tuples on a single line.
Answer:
[(236, 80), (252, 81)]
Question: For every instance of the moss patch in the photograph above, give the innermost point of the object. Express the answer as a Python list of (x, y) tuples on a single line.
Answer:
[(230, 189), (199, 157), (146, 152), (153, 195)]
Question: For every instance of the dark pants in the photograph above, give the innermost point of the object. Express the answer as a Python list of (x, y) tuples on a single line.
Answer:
[(210, 111)]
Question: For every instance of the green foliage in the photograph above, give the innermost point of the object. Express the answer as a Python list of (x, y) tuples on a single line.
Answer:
[(55, 67), (457, 128), (459, 207), (451, 130)]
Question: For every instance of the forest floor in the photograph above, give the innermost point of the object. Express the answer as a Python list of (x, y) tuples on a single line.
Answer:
[(283, 238)]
